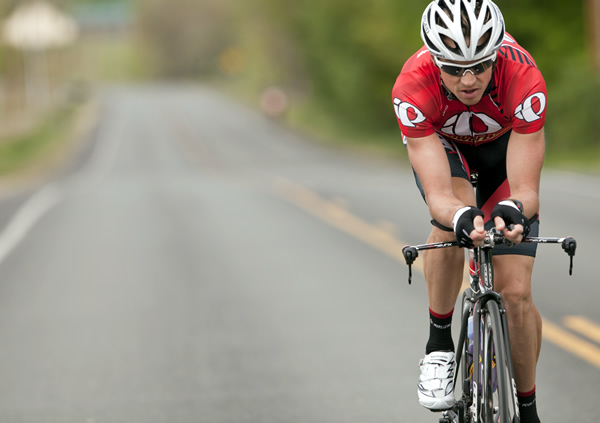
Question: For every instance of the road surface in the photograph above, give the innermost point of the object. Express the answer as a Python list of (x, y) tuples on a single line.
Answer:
[(198, 262)]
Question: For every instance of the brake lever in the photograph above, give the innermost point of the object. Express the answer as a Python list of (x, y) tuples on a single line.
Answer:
[(570, 245), (410, 255)]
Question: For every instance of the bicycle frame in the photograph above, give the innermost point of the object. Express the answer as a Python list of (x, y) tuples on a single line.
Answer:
[(469, 408)]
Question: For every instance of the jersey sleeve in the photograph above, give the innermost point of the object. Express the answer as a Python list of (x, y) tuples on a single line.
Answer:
[(411, 112), (528, 101)]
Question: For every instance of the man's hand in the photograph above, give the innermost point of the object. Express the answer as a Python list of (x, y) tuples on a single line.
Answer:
[(468, 227), (507, 213)]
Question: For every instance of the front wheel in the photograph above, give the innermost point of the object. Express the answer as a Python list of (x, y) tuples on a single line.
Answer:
[(499, 397)]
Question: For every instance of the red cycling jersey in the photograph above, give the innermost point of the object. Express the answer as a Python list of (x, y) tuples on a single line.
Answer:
[(515, 99)]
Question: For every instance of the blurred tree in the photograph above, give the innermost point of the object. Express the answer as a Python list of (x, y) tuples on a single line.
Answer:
[(593, 12), (343, 56), (343, 48), (185, 36), (351, 51)]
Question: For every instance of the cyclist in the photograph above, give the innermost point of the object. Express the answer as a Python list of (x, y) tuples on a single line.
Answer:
[(473, 100)]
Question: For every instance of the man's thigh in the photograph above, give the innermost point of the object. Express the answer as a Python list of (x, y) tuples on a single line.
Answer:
[(512, 275)]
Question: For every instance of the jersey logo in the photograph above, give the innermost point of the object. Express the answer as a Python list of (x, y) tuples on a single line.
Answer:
[(469, 124), (408, 114), (532, 108)]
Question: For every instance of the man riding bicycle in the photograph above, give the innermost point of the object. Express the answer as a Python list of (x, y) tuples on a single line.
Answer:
[(472, 100)]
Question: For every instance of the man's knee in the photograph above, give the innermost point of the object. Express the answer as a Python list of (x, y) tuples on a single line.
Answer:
[(517, 294), (513, 282)]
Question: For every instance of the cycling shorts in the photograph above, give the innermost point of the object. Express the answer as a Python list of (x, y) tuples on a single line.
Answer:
[(488, 161)]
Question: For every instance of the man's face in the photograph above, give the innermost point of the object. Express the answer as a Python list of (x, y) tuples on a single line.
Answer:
[(467, 87)]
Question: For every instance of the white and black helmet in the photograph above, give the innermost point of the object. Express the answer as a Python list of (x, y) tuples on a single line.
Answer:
[(462, 30)]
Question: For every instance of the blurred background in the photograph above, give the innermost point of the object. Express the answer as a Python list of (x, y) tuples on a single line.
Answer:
[(179, 241), (325, 67)]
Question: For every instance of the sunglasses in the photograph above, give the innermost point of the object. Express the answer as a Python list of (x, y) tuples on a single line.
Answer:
[(475, 68)]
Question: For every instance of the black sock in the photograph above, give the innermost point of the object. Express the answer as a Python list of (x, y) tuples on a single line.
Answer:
[(440, 333), (527, 407)]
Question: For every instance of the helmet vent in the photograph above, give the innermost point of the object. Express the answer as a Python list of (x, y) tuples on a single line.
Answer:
[(462, 30), (483, 41), (447, 8)]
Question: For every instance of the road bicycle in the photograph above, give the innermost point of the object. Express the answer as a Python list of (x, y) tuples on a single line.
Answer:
[(489, 393)]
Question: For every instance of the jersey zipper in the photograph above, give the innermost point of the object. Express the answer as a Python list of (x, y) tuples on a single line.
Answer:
[(471, 125)]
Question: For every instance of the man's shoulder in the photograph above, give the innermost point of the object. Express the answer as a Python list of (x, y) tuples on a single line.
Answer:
[(521, 89), (418, 65), (514, 55), (417, 95), (419, 78), (518, 73)]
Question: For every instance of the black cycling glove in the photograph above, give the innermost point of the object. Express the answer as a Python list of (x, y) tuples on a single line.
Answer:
[(463, 225), (511, 211)]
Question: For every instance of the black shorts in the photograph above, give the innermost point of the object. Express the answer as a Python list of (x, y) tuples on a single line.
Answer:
[(488, 161)]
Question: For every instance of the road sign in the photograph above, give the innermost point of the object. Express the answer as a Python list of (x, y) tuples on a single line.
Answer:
[(39, 26)]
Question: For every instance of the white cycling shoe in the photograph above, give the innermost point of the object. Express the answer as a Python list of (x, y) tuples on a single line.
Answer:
[(436, 383)]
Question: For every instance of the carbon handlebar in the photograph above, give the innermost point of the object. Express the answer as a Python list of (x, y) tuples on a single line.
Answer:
[(493, 238)]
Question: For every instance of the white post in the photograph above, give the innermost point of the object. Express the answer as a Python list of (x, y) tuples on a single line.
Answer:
[(36, 79), (34, 28)]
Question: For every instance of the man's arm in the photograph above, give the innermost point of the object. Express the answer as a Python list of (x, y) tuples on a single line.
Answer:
[(428, 158), (524, 161)]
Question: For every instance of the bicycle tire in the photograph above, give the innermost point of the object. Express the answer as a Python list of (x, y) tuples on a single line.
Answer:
[(498, 397), (466, 360)]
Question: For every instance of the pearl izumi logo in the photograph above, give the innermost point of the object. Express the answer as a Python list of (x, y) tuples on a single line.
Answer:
[(408, 114), (435, 325), (468, 123), (532, 108)]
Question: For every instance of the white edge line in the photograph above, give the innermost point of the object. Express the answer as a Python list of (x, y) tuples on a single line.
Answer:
[(50, 195), (26, 217)]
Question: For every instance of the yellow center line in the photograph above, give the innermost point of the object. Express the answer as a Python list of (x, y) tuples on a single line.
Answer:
[(586, 328), (573, 344), (340, 218), (381, 238)]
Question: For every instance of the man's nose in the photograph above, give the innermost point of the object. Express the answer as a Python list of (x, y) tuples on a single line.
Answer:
[(468, 78)]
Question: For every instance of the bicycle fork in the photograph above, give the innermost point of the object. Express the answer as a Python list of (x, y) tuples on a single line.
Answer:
[(467, 408)]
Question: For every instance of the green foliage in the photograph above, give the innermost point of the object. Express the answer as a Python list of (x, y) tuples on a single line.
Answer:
[(338, 59), (352, 50), (25, 150), (573, 120), (350, 53)]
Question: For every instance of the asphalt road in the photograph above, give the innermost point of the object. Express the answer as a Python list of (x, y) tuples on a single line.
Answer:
[(200, 263)]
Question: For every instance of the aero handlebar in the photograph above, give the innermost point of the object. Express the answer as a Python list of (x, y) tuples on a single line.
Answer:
[(493, 238)]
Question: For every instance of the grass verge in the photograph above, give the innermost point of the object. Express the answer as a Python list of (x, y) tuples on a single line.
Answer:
[(32, 149)]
